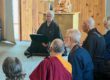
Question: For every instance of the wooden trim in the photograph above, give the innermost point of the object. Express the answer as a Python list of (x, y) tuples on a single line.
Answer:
[(20, 20)]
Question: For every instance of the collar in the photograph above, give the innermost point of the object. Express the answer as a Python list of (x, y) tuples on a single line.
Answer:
[(75, 48)]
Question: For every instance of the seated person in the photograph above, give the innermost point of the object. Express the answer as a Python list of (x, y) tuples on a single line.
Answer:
[(49, 29), (12, 68), (80, 59), (53, 67), (36, 48)]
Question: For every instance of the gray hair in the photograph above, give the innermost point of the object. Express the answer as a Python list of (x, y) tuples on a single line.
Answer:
[(91, 23), (12, 68), (57, 45), (75, 35), (108, 20), (50, 12)]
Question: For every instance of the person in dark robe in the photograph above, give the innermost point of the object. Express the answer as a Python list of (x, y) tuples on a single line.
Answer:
[(107, 37), (95, 45), (80, 59), (53, 67), (50, 29)]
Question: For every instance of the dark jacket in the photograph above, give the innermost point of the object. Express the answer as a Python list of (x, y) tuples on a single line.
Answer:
[(95, 43), (52, 31), (82, 66), (107, 40)]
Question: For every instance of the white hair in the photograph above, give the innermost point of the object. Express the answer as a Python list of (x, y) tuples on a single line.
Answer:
[(50, 12), (91, 23), (107, 19), (74, 34)]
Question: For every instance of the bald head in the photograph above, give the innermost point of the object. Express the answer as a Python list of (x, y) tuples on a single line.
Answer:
[(91, 22), (88, 25), (57, 46)]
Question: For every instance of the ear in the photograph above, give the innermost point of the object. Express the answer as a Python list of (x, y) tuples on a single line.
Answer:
[(50, 49)]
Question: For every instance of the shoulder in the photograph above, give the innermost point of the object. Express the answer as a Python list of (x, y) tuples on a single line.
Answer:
[(43, 24), (46, 61), (55, 23), (82, 52)]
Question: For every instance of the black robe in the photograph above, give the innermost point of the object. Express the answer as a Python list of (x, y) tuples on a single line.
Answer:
[(52, 31), (95, 43)]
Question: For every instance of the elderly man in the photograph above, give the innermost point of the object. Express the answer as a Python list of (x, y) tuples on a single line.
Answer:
[(95, 45), (82, 66), (53, 67), (107, 54), (12, 68), (94, 42)]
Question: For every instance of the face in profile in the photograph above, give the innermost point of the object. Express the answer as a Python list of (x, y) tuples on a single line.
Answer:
[(106, 24), (67, 41), (49, 17), (85, 27)]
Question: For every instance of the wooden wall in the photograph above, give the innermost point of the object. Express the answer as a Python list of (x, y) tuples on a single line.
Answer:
[(26, 19), (87, 8), (31, 16), (2, 15)]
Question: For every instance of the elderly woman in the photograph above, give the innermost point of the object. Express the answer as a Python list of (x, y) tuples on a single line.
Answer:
[(82, 66), (13, 69)]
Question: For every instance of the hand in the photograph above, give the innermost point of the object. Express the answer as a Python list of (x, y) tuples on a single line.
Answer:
[(45, 45)]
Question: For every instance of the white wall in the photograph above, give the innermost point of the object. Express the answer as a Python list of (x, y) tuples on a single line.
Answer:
[(107, 7), (16, 22)]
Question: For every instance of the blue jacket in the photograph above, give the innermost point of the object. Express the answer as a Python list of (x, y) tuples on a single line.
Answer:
[(82, 65)]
